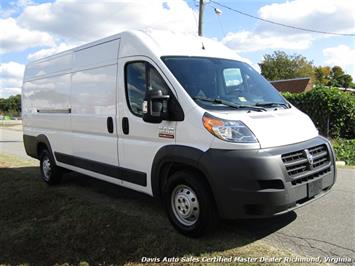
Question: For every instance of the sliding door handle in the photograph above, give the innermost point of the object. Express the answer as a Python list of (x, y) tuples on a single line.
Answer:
[(110, 124), (125, 125)]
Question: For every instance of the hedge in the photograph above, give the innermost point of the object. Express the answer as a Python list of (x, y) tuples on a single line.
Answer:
[(332, 110), (345, 150)]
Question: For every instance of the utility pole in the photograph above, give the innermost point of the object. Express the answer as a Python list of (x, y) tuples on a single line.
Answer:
[(200, 17)]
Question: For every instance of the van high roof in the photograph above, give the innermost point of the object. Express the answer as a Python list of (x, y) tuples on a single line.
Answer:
[(160, 43)]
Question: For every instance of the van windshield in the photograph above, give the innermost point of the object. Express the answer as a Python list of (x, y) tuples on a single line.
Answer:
[(223, 84)]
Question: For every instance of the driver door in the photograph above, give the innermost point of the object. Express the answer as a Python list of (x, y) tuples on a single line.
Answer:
[(139, 141)]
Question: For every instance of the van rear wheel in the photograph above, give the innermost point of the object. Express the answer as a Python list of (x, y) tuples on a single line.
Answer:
[(50, 172), (189, 204)]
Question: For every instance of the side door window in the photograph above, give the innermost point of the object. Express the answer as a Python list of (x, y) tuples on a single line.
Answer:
[(140, 77)]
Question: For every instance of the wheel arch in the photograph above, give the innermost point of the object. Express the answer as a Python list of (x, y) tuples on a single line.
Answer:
[(43, 142), (34, 145), (172, 158)]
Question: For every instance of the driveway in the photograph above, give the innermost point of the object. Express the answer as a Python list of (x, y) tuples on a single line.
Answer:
[(11, 142), (324, 228)]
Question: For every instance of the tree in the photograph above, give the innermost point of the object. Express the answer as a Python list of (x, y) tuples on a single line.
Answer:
[(322, 75), (11, 105), (280, 65), (334, 77), (339, 78), (346, 81)]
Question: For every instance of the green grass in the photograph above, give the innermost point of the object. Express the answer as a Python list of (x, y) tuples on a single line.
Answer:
[(92, 222)]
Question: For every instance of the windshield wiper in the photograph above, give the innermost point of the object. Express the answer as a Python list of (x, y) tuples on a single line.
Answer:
[(273, 105), (229, 104)]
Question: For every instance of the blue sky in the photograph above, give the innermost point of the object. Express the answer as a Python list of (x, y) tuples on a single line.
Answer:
[(232, 22), (32, 29)]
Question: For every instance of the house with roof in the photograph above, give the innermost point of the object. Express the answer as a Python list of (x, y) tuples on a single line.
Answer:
[(295, 85)]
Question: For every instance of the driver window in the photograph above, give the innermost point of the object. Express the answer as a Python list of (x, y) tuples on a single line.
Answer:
[(135, 86), (141, 76), (156, 82)]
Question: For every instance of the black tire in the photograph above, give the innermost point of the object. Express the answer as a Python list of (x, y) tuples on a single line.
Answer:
[(189, 185), (53, 174)]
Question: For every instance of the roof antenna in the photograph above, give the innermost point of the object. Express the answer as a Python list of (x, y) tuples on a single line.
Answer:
[(203, 46)]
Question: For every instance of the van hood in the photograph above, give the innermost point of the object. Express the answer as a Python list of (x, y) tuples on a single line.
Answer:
[(275, 127)]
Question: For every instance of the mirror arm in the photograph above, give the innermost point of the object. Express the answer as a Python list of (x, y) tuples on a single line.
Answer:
[(160, 97)]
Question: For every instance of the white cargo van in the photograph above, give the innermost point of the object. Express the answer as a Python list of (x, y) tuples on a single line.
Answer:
[(176, 117)]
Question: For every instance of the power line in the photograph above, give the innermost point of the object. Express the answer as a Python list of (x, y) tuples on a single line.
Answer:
[(281, 24)]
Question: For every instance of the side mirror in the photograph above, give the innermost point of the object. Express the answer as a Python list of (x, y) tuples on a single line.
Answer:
[(155, 106)]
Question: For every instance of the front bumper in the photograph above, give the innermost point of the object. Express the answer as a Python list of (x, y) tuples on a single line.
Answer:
[(261, 183)]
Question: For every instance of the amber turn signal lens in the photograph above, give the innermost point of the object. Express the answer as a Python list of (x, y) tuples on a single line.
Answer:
[(210, 122)]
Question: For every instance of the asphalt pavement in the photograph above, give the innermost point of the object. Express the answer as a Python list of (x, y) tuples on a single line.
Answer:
[(323, 228), (11, 142)]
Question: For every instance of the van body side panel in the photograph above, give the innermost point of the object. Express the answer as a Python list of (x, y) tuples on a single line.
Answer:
[(46, 110), (50, 66), (93, 103), (101, 54)]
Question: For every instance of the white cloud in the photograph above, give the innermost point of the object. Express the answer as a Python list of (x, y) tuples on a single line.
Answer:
[(323, 15), (91, 19), (72, 22), (246, 41), (16, 38), (341, 55), (7, 92), (11, 70), (11, 74)]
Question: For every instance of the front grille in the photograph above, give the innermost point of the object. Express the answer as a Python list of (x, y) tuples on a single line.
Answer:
[(320, 155), (310, 177), (307, 164)]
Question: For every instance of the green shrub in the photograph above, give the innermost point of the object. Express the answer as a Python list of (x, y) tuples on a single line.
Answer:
[(345, 150), (332, 111)]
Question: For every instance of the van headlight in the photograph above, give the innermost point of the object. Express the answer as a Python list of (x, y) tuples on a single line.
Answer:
[(228, 130)]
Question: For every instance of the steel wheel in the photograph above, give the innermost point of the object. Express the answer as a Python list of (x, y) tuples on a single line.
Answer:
[(47, 168), (50, 172), (185, 205)]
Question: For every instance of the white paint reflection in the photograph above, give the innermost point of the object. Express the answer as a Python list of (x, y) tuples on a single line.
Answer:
[(94, 91)]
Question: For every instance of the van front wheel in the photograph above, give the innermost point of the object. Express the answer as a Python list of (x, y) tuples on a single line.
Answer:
[(50, 172), (189, 204)]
